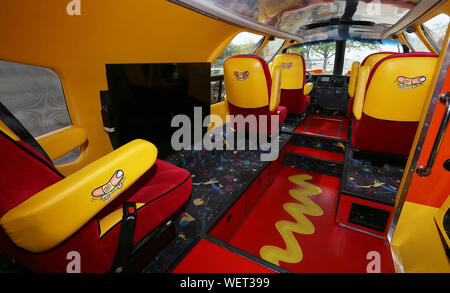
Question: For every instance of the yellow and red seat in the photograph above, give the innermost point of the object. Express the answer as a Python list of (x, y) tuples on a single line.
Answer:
[(252, 91), (370, 62), (388, 102), (44, 216), (294, 89)]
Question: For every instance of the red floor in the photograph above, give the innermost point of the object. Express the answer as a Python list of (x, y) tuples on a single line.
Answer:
[(200, 260), (328, 248), (332, 127), (315, 153)]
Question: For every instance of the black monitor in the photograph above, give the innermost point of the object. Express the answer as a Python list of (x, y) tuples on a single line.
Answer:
[(145, 97)]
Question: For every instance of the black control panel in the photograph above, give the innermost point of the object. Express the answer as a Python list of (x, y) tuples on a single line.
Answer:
[(330, 92)]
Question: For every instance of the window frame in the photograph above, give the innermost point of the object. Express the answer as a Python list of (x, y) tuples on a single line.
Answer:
[(220, 78), (72, 156), (276, 53), (256, 46), (405, 37), (428, 35), (260, 43)]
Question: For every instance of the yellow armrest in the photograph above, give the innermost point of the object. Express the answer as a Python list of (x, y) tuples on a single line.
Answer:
[(276, 88), (8, 131), (308, 88), (58, 143), (360, 93), (353, 79), (271, 68), (54, 214), (219, 109)]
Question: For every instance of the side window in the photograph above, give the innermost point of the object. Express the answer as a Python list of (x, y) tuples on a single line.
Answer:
[(415, 43), (319, 57), (244, 43), (271, 49), (358, 50), (34, 95), (435, 30)]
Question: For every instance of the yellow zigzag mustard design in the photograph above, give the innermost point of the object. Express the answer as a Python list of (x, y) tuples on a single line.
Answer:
[(293, 252)]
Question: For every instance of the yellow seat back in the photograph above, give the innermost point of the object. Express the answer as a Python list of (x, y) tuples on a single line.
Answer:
[(293, 70), (370, 61), (373, 59), (247, 82), (396, 87)]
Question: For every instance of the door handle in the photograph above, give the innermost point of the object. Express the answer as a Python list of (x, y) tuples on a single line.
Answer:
[(424, 171)]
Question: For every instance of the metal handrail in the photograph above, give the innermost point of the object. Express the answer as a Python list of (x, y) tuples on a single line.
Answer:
[(424, 171)]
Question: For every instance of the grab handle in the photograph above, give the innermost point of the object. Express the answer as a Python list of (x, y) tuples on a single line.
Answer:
[(424, 171)]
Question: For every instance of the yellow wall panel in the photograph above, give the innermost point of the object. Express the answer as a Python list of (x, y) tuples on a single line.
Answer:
[(108, 31), (416, 244)]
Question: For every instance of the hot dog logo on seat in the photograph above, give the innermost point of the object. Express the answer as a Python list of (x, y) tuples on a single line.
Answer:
[(104, 192), (241, 75), (405, 82), (286, 65)]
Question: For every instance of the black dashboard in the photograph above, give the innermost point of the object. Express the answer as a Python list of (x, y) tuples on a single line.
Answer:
[(330, 91)]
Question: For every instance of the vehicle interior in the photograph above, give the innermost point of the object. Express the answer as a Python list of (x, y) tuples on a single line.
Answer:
[(224, 136)]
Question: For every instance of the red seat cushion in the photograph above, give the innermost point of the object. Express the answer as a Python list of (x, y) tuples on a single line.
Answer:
[(164, 189), (282, 112), (350, 108), (392, 137), (294, 100)]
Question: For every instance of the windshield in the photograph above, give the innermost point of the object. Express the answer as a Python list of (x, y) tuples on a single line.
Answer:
[(319, 57), (358, 50)]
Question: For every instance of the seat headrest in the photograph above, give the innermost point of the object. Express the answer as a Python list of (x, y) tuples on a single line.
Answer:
[(374, 58), (397, 86), (293, 68), (247, 81)]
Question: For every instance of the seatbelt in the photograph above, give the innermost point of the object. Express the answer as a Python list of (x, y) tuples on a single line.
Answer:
[(15, 126), (126, 236)]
